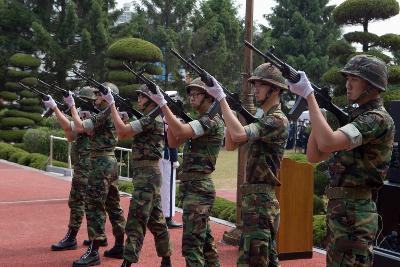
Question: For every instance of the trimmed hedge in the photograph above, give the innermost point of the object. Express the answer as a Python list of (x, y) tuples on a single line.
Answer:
[(123, 76), (29, 102), (50, 122), (134, 49), (17, 74), (35, 109), (8, 96), (319, 231), (11, 86), (16, 122), (30, 81), (26, 93), (394, 74), (38, 141), (36, 117), (24, 60), (12, 135), (129, 91)]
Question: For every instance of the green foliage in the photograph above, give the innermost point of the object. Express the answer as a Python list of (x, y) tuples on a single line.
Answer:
[(376, 53), (35, 109), (15, 157), (129, 91), (12, 135), (24, 60), (134, 49), (390, 41), (17, 74), (394, 74), (38, 161), (6, 150), (318, 205), (125, 186), (341, 50), (16, 122), (358, 11), (224, 209), (298, 157), (29, 101), (26, 93), (362, 38), (11, 86), (390, 95), (334, 77), (30, 81), (17, 113), (303, 33), (9, 96), (319, 231), (124, 76), (114, 64), (152, 69), (51, 123), (321, 178), (127, 143), (38, 141)]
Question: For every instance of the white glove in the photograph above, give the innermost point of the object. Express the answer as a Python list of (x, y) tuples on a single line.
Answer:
[(302, 87), (175, 164), (69, 99), (49, 103), (109, 98), (216, 91), (158, 97)]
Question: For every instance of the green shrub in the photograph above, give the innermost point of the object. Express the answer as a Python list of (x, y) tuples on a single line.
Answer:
[(29, 102), (30, 81), (152, 69), (17, 74), (321, 178), (319, 205), (24, 60), (15, 157), (389, 95), (114, 64), (35, 109), (24, 159), (26, 93), (125, 186), (50, 122), (38, 141), (12, 135), (394, 74), (17, 113), (38, 161), (119, 75), (6, 150), (16, 122), (319, 231), (8, 96), (129, 91), (11, 86), (60, 164), (135, 49), (224, 209), (298, 157)]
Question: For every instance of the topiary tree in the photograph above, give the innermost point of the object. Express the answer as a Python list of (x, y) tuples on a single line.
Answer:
[(362, 12), (141, 54), (23, 107)]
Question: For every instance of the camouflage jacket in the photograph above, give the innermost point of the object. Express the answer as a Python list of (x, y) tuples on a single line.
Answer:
[(267, 142), (80, 147), (102, 128), (148, 144), (200, 153), (366, 163)]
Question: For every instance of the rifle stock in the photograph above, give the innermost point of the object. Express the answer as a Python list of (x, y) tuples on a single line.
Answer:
[(323, 98)]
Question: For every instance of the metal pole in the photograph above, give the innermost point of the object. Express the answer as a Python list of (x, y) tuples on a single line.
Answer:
[(69, 155), (233, 236), (51, 150)]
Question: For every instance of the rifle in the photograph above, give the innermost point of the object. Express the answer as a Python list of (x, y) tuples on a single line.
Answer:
[(83, 103), (119, 101), (322, 96), (175, 107), (232, 98), (47, 113)]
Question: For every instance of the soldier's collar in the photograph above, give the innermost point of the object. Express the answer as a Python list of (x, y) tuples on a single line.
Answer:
[(373, 104)]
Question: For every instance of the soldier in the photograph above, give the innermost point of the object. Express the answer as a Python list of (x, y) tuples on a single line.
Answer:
[(266, 140), (145, 207), (203, 141), (362, 151), (102, 190), (81, 146)]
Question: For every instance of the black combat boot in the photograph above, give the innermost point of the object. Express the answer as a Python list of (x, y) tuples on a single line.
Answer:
[(102, 243), (126, 263), (67, 243), (91, 256), (172, 224), (166, 262), (117, 251)]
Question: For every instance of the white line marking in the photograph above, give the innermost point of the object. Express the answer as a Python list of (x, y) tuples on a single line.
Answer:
[(33, 201)]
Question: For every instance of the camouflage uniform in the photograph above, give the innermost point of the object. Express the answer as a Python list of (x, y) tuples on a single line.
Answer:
[(352, 220), (145, 207), (260, 207), (197, 191), (77, 195), (102, 190)]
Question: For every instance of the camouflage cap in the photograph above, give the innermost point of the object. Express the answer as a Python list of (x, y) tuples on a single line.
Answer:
[(87, 92), (196, 83), (369, 68), (144, 90), (112, 87), (268, 74)]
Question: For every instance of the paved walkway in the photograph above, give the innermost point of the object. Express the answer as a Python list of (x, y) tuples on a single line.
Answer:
[(34, 214)]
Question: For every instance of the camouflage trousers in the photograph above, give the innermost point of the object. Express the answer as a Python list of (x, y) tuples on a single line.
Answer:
[(260, 215), (77, 195), (102, 197), (351, 229), (145, 210), (198, 245)]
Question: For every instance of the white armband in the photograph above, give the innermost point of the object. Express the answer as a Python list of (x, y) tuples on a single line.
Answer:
[(353, 134), (136, 126), (197, 128)]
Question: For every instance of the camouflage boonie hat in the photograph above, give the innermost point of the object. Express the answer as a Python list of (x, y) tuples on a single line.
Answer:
[(144, 90), (196, 83), (369, 68), (87, 92), (112, 87), (268, 74)]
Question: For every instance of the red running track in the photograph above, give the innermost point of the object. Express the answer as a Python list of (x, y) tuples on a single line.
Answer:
[(34, 214)]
